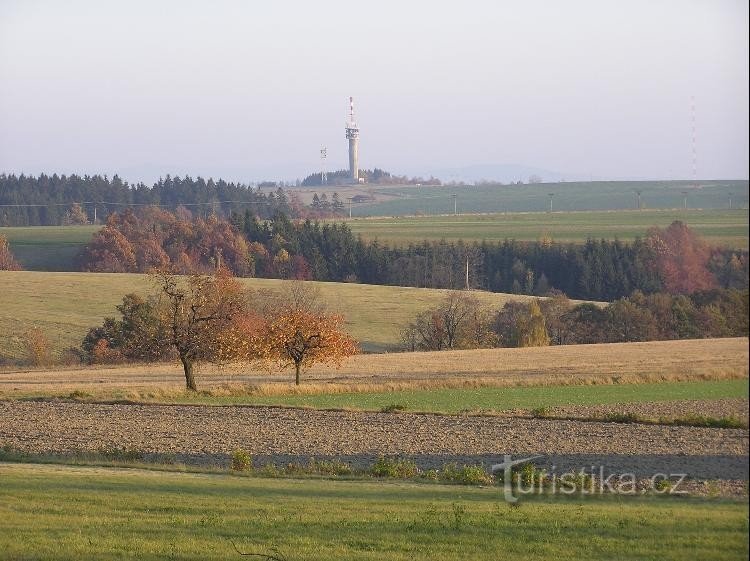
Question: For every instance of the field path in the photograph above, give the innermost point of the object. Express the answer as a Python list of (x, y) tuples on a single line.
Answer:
[(209, 434)]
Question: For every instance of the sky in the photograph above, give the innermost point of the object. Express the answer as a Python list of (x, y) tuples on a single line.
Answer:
[(250, 90)]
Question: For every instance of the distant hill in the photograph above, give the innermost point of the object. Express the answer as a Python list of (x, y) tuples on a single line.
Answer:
[(505, 173)]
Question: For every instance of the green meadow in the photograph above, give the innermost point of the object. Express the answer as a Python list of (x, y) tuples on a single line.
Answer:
[(64, 513)]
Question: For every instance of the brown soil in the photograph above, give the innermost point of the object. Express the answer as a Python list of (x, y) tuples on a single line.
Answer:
[(736, 408), (210, 434)]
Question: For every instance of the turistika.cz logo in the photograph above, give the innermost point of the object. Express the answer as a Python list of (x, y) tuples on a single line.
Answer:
[(529, 481)]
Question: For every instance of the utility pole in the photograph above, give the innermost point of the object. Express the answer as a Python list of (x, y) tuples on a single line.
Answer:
[(730, 201), (455, 204), (94, 214), (350, 206), (638, 193), (550, 200), (684, 200), (467, 272)]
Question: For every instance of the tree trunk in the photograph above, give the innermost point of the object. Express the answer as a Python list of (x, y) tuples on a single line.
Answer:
[(296, 375), (187, 365)]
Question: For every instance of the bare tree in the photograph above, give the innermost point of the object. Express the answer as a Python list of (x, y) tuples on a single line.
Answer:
[(447, 326)]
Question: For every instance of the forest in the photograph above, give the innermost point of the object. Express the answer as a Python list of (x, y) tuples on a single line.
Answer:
[(46, 200), (673, 260)]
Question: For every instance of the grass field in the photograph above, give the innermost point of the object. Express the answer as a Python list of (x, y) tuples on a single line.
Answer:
[(74, 513), (717, 227), (570, 196), (66, 305), (457, 400), (48, 248)]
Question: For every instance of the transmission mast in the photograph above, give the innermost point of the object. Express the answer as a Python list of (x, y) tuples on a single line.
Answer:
[(352, 135), (323, 169)]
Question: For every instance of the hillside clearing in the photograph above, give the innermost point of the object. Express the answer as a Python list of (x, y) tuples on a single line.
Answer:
[(66, 305)]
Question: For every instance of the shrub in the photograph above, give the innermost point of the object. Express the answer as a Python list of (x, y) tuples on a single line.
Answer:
[(121, 454), (541, 412), (392, 408), (394, 467), (465, 475), (37, 348), (241, 460)]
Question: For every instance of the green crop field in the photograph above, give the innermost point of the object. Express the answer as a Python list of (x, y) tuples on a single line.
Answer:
[(717, 227), (66, 305), (48, 248), (74, 513), (570, 196), (456, 400)]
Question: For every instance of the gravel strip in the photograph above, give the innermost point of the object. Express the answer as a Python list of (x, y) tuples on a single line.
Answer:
[(210, 434)]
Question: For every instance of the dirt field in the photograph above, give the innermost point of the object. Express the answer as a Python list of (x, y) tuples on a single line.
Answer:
[(606, 363), (678, 409), (209, 434)]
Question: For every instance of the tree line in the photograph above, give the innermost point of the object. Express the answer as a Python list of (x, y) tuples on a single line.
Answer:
[(462, 322), (672, 260), (47, 200)]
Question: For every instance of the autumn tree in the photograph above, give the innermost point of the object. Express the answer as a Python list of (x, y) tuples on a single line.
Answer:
[(76, 215), (681, 258), (7, 260), (204, 318), (532, 331), (553, 309), (300, 333)]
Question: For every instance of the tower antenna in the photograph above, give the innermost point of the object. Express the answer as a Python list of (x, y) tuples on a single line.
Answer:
[(694, 143)]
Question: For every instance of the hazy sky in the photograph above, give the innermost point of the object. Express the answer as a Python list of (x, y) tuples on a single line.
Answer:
[(249, 90)]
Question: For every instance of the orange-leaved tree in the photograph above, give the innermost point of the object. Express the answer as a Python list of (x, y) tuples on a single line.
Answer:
[(681, 257), (299, 332), (205, 318)]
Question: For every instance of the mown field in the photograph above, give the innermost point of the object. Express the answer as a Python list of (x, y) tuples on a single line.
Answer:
[(569, 196), (717, 227), (107, 513), (66, 305)]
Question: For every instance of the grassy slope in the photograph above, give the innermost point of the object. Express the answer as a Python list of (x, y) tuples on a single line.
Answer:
[(455, 400), (570, 196), (720, 227), (114, 514), (66, 305)]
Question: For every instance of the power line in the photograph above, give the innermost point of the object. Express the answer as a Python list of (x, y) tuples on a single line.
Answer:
[(106, 203)]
